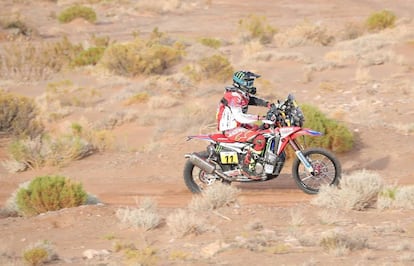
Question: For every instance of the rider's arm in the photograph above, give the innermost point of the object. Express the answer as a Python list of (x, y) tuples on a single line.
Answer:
[(253, 100), (241, 117)]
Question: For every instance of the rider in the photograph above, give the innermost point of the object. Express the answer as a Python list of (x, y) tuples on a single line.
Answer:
[(234, 121)]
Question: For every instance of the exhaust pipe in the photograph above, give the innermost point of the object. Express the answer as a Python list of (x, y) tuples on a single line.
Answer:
[(205, 166)]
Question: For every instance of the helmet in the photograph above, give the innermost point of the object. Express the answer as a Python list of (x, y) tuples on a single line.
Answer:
[(244, 81)]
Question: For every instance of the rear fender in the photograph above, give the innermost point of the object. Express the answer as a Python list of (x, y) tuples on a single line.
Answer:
[(201, 137)]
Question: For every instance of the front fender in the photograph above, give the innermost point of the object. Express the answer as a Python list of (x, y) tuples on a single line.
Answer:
[(307, 131)]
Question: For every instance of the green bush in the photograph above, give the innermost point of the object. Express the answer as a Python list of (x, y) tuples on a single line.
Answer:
[(336, 136), (210, 42), (35, 256), (77, 11), (49, 193), (217, 67), (381, 20), (39, 253), (18, 115), (141, 57), (90, 56), (257, 27)]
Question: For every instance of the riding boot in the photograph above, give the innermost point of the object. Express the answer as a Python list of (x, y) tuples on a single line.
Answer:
[(250, 161)]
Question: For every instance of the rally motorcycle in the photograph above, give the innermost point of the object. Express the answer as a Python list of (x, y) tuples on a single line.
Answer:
[(223, 159)]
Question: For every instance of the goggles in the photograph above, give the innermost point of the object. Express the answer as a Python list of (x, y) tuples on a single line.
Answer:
[(249, 83)]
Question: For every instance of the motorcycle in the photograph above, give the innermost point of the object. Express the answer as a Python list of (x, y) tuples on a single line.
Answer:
[(223, 159)]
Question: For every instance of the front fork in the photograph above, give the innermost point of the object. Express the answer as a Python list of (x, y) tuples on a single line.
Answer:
[(301, 157)]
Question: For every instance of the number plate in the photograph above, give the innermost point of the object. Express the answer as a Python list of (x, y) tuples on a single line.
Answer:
[(229, 157)]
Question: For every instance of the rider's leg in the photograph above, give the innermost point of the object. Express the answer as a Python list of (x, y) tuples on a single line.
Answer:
[(241, 134)]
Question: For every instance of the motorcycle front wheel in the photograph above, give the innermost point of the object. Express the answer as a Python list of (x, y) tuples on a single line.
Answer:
[(327, 170), (197, 179)]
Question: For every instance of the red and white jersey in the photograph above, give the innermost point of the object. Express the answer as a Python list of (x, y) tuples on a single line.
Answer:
[(232, 110)]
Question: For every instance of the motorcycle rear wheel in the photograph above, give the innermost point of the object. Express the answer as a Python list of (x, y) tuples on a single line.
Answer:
[(196, 179), (327, 170)]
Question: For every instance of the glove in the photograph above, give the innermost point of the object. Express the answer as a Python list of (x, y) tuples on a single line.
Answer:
[(271, 106)]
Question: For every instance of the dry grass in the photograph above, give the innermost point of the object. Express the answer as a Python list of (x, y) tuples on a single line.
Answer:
[(61, 98), (167, 6), (193, 118), (393, 197), (145, 216), (357, 191), (185, 222), (142, 56), (17, 26), (306, 33), (39, 253), (339, 58), (162, 102), (46, 150), (19, 116), (140, 97), (297, 217), (214, 197), (263, 241), (372, 49), (341, 243), (256, 27), (362, 75), (145, 256), (329, 217), (28, 61)]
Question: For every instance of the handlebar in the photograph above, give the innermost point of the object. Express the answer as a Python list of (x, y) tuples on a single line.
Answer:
[(287, 113)]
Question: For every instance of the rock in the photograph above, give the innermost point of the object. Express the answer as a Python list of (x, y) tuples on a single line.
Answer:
[(91, 253), (212, 249)]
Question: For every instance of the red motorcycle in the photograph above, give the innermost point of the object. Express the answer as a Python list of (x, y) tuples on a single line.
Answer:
[(223, 159)]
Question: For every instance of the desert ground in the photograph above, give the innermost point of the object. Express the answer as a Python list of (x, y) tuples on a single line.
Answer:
[(367, 83)]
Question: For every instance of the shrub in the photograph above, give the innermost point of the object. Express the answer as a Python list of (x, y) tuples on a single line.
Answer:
[(16, 22), (357, 191), (39, 253), (339, 243), (141, 57), (184, 222), (77, 11), (18, 115), (396, 197), (145, 216), (257, 27), (216, 66), (90, 56), (210, 42), (45, 150), (98, 139), (380, 20), (29, 61), (146, 256), (140, 97), (214, 197), (337, 136), (306, 33), (49, 193), (65, 93)]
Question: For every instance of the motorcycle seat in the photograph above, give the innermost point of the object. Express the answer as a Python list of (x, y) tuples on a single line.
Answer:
[(221, 138)]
